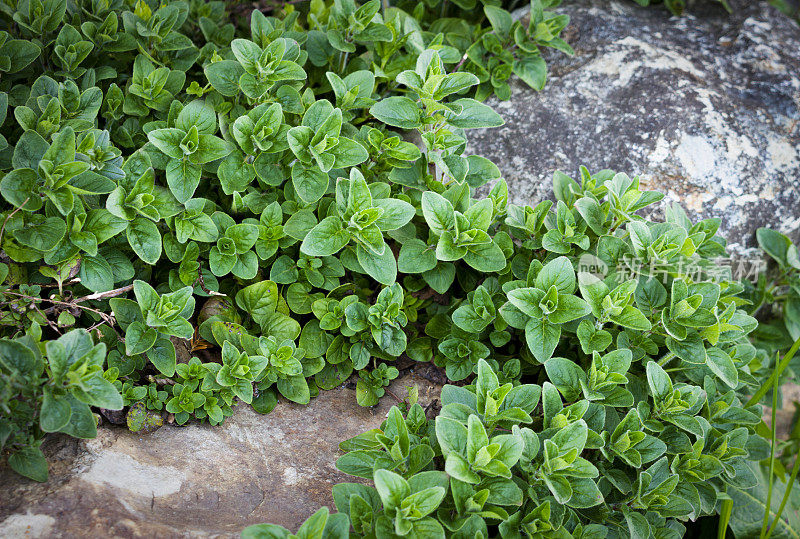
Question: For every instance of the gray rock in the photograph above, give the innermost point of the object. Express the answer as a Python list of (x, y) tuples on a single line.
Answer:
[(705, 108), (195, 481)]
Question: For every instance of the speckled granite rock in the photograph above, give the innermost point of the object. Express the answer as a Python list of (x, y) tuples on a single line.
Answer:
[(705, 108), (195, 481)]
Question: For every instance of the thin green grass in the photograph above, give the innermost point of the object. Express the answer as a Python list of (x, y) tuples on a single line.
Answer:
[(766, 527)]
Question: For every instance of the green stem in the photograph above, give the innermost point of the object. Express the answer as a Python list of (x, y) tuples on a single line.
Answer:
[(343, 61), (724, 518), (765, 522), (789, 485), (664, 360), (773, 379)]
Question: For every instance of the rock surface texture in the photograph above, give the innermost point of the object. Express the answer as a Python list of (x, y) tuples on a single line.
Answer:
[(195, 481), (705, 108)]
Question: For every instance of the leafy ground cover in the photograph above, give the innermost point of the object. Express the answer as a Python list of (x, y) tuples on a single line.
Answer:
[(249, 190)]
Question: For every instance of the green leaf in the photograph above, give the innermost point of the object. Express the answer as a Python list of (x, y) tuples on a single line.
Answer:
[(486, 257), (365, 394), (21, 53), (722, 365), (145, 239), (542, 338), (247, 53), (43, 235), (265, 531), (348, 153), (209, 148), (309, 182), (29, 151), (397, 111), (591, 338), (438, 212), (632, 318), (265, 402), (396, 213), (391, 488), (18, 187), (532, 70), (280, 326), (139, 338), (168, 140), (96, 274), (382, 268), (224, 76), (295, 388), (474, 114), (100, 392), (566, 376), (416, 257), (480, 214), (453, 83), (244, 236), (183, 177), (259, 300), (441, 277), (197, 113), (29, 462), (658, 380), (774, 244), (328, 237), (447, 250), (82, 423), (55, 412), (499, 18), (558, 273), (162, 356), (591, 212), (527, 300), (146, 296)]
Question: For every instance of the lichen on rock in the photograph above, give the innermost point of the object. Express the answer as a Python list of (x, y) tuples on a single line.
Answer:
[(705, 108)]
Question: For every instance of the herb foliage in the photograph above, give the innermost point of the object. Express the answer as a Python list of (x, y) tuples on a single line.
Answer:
[(295, 195)]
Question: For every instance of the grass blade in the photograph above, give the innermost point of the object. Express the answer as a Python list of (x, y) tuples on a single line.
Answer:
[(774, 442), (775, 375), (724, 518), (789, 485)]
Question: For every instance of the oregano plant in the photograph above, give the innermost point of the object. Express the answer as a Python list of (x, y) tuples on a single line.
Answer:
[(202, 211)]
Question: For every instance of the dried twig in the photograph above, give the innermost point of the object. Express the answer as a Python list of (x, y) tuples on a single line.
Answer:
[(203, 284), (104, 295), (73, 304), (10, 215)]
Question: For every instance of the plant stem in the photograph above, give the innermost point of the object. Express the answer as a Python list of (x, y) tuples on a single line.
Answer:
[(765, 522), (665, 359), (724, 518), (773, 379), (459, 64), (76, 302), (10, 215), (105, 295), (789, 485)]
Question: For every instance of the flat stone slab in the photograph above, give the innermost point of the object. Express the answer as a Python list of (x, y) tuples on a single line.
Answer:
[(196, 480)]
